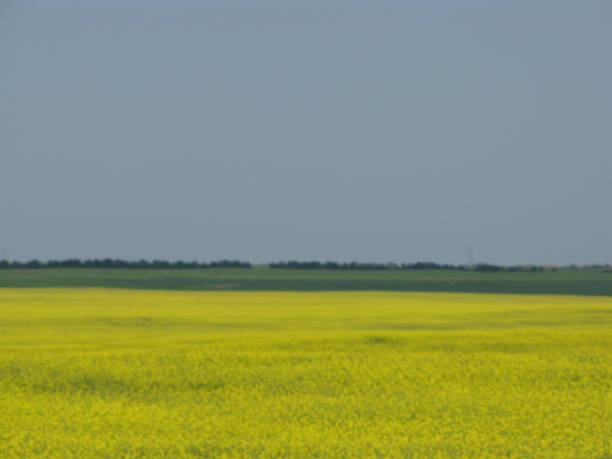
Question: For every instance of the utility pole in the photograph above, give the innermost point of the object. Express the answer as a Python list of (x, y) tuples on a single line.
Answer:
[(470, 256), (251, 257)]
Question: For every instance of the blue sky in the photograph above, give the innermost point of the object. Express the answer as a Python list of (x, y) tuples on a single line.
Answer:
[(370, 131)]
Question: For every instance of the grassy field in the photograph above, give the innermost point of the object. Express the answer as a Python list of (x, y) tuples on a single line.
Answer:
[(566, 281), (136, 373)]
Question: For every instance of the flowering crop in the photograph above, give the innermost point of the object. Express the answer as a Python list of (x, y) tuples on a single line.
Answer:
[(121, 373)]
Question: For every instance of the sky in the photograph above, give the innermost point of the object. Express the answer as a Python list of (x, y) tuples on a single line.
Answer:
[(310, 130)]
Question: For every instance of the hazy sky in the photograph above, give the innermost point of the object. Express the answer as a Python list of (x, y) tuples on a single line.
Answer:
[(343, 130)]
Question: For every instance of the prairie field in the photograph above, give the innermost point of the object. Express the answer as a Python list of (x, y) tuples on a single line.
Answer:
[(136, 373), (567, 281)]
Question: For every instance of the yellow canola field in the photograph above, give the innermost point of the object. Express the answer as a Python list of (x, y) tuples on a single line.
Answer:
[(117, 373)]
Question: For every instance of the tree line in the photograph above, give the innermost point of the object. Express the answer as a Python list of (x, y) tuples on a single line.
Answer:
[(124, 264), (483, 267), (327, 265)]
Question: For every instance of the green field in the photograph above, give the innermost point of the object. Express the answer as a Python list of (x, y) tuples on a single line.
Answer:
[(565, 281), (134, 373)]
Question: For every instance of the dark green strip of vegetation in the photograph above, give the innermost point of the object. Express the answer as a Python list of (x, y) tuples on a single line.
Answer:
[(485, 267), (110, 263), (564, 281)]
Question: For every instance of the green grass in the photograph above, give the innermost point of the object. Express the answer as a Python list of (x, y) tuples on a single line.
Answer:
[(106, 373), (566, 281)]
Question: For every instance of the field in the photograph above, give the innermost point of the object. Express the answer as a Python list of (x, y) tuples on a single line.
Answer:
[(138, 373), (564, 281)]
